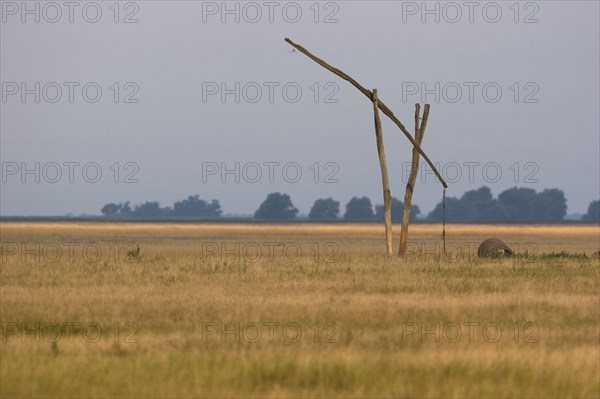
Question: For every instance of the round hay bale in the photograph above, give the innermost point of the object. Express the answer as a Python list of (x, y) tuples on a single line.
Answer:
[(493, 247)]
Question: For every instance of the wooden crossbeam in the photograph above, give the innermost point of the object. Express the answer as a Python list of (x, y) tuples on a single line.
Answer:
[(369, 95)]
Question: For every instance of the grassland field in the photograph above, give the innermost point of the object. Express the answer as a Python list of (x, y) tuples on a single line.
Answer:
[(299, 310)]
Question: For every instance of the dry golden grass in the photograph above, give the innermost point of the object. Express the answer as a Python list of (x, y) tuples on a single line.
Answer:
[(362, 316)]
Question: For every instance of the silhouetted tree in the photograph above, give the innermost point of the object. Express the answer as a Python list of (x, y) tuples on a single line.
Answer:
[(480, 205), (491, 211), (519, 203), (193, 206), (276, 207), (116, 209), (324, 209), (111, 209), (482, 194), (550, 205), (397, 211), (593, 212), (150, 209), (213, 209), (456, 211), (359, 209), (125, 209)]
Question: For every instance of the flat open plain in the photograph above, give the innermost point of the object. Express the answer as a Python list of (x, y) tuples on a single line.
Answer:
[(181, 310)]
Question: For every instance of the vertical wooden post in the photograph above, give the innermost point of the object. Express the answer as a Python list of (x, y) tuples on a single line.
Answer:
[(414, 169), (387, 197)]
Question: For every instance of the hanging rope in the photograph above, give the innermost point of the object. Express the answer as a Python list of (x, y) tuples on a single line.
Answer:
[(444, 221)]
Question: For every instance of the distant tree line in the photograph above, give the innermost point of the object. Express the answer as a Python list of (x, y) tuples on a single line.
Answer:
[(357, 209), (512, 205), (192, 207)]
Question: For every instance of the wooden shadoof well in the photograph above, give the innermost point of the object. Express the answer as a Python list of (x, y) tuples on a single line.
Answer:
[(420, 125)]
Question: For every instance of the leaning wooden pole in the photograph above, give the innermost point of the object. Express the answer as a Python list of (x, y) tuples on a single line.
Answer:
[(387, 196), (412, 179), (369, 95)]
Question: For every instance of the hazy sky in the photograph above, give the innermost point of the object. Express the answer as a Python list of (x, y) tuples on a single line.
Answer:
[(188, 92)]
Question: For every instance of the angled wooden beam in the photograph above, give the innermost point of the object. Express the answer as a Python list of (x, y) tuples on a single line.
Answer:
[(369, 95), (420, 127), (387, 196)]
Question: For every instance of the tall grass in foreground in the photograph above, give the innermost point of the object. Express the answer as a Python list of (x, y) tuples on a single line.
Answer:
[(134, 310)]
